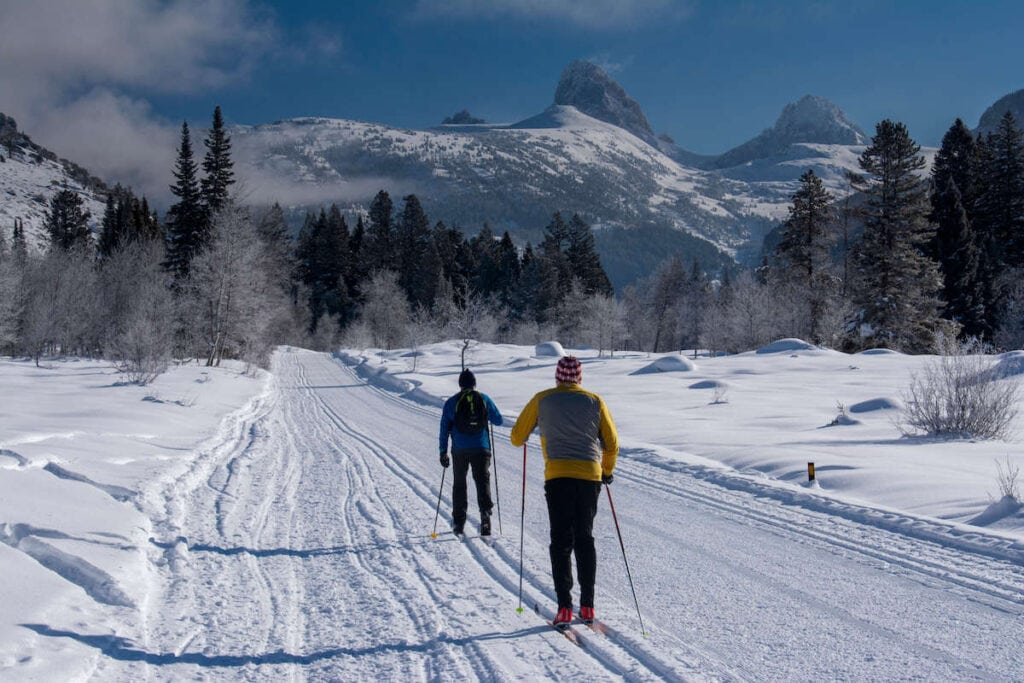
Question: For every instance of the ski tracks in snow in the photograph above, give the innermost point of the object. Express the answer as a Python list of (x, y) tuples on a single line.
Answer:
[(298, 548), (301, 550)]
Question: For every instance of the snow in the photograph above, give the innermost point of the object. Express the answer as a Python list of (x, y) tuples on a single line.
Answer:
[(223, 526)]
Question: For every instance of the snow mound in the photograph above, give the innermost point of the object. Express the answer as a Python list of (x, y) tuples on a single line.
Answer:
[(843, 421), (551, 349), (1007, 506), (789, 344), (878, 352), (708, 384), (667, 364), (873, 404), (1010, 364)]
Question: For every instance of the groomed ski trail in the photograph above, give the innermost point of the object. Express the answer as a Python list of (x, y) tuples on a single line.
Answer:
[(299, 549)]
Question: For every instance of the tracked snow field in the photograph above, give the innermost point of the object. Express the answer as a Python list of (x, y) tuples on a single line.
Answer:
[(299, 547)]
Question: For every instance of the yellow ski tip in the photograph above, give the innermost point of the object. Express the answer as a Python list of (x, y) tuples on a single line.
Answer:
[(433, 534)]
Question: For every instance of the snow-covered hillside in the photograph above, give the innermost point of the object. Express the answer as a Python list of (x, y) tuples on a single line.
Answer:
[(216, 526), (27, 183)]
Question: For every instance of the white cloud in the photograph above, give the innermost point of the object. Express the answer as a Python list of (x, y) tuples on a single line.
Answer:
[(590, 14), (76, 72)]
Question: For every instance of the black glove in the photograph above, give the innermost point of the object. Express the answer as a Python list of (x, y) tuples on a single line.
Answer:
[(607, 479), (444, 459)]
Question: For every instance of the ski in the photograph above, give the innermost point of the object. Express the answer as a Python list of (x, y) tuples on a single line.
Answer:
[(571, 634), (598, 627)]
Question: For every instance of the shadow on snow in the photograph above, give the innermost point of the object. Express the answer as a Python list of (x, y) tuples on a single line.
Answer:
[(123, 649)]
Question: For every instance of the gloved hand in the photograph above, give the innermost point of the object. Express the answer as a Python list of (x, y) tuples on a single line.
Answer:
[(607, 479), (444, 459)]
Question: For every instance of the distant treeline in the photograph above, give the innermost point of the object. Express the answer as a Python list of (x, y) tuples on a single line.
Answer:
[(903, 261)]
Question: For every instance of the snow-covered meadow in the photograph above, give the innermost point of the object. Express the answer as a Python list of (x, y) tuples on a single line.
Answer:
[(170, 531)]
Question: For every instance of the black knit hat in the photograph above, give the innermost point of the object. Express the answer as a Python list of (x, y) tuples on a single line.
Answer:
[(467, 380)]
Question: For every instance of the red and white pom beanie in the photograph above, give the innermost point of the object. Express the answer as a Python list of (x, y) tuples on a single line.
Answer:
[(569, 370)]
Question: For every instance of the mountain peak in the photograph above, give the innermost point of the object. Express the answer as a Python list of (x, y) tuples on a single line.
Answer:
[(810, 119), (815, 119), (590, 89), (1013, 103)]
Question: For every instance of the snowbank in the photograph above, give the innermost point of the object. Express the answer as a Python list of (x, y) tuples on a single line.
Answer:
[(551, 349), (789, 344), (673, 363)]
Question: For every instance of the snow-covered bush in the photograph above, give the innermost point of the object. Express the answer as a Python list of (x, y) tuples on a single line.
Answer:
[(1007, 476), (958, 395)]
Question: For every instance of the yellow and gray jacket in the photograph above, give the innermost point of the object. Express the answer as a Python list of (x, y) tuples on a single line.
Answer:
[(577, 434)]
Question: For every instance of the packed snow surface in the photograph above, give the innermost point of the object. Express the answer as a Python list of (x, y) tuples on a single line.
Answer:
[(222, 526)]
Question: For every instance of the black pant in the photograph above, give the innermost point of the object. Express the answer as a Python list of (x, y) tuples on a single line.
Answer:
[(572, 506), (480, 461)]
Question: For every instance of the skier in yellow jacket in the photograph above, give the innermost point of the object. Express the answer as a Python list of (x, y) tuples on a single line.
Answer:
[(580, 445)]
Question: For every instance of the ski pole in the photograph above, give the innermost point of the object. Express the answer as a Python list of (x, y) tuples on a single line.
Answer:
[(497, 489), (522, 519), (622, 545), (444, 471)]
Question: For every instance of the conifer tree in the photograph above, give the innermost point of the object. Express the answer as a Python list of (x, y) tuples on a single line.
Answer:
[(417, 269), (117, 225), (19, 244), (508, 269), (379, 242), (187, 221), (584, 263), (802, 255), (217, 166), (897, 284), (955, 247), (67, 221)]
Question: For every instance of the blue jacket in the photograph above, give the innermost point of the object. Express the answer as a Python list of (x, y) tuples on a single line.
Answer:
[(462, 441)]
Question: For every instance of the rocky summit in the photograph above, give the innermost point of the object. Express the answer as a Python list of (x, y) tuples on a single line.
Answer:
[(587, 87)]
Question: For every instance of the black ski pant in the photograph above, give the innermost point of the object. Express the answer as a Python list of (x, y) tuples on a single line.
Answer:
[(479, 459), (572, 506)]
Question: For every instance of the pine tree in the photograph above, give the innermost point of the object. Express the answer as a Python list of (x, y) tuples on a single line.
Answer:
[(417, 271), (954, 187), (486, 277), (508, 269), (19, 243), (379, 242), (802, 255), (897, 284), (217, 166), (584, 263), (67, 221), (187, 221)]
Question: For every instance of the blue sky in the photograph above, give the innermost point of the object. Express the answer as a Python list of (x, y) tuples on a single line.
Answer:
[(711, 74)]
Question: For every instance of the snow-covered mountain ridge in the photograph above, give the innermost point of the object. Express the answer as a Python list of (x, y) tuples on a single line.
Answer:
[(514, 176), (30, 175)]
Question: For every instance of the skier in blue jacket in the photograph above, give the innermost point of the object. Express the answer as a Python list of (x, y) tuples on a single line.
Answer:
[(464, 419)]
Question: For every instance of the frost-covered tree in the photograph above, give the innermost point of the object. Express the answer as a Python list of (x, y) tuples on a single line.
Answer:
[(137, 310), (230, 297), (897, 284), (385, 311), (60, 308), (603, 323)]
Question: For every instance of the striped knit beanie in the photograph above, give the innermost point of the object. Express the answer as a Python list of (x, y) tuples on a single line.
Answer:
[(569, 370)]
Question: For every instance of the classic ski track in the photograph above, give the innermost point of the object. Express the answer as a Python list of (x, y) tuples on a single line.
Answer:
[(946, 564), (996, 585), (255, 478), (482, 663), (480, 659), (507, 575)]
